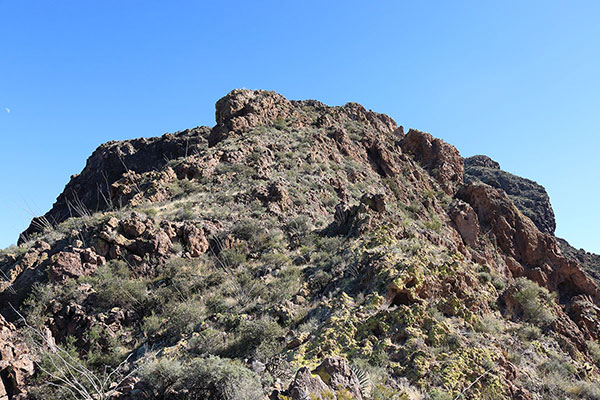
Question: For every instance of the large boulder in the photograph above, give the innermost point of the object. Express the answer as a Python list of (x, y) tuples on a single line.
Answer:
[(331, 378)]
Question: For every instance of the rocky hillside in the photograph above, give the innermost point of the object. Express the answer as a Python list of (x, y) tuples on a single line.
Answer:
[(295, 251), (529, 197), (532, 200)]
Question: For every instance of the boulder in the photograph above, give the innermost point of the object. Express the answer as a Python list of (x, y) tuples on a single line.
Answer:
[(466, 221), (306, 386), (195, 240), (338, 375)]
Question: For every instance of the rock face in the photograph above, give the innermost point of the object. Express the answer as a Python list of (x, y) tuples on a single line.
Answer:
[(465, 219), (16, 365), (96, 188), (537, 254), (437, 156), (589, 261), (529, 197)]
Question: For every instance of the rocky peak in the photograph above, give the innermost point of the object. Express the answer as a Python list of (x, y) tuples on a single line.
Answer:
[(481, 161), (441, 159), (530, 197), (94, 188)]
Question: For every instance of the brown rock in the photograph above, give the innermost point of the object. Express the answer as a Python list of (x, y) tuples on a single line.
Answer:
[(442, 160), (133, 227), (375, 202), (195, 240), (73, 264), (338, 375), (305, 385), (16, 365), (466, 221), (243, 109), (536, 255)]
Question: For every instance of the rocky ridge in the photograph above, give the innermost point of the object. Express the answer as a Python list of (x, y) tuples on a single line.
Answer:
[(293, 250)]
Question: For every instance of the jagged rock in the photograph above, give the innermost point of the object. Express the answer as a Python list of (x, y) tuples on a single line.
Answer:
[(375, 202), (589, 261), (73, 264), (529, 197), (16, 364), (337, 374), (305, 385), (133, 227), (537, 253), (243, 109), (441, 159), (91, 189), (481, 161), (586, 315), (465, 219), (195, 240)]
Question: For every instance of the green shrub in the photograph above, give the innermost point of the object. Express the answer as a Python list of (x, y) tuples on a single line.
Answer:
[(161, 374), (489, 324), (116, 288), (232, 258), (256, 338), (183, 318), (529, 332), (215, 378), (594, 350), (534, 302)]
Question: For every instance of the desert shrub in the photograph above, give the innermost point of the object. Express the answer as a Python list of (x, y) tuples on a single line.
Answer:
[(498, 283), (594, 350), (585, 390), (182, 187), (151, 325), (534, 302), (276, 260), (183, 317), (208, 341), (298, 226), (484, 277), (161, 374), (257, 338), (529, 332), (435, 224), (185, 212), (115, 287), (440, 395), (215, 378), (36, 303), (232, 257), (489, 324), (280, 123), (253, 233), (104, 348)]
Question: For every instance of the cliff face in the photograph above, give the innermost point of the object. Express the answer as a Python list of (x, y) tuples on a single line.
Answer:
[(296, 250), (529, 197)]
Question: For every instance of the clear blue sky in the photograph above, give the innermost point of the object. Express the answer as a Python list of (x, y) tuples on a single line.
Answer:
[(517, 80)]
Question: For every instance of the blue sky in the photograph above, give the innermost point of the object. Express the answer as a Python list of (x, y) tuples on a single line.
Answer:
[(515, 80)]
